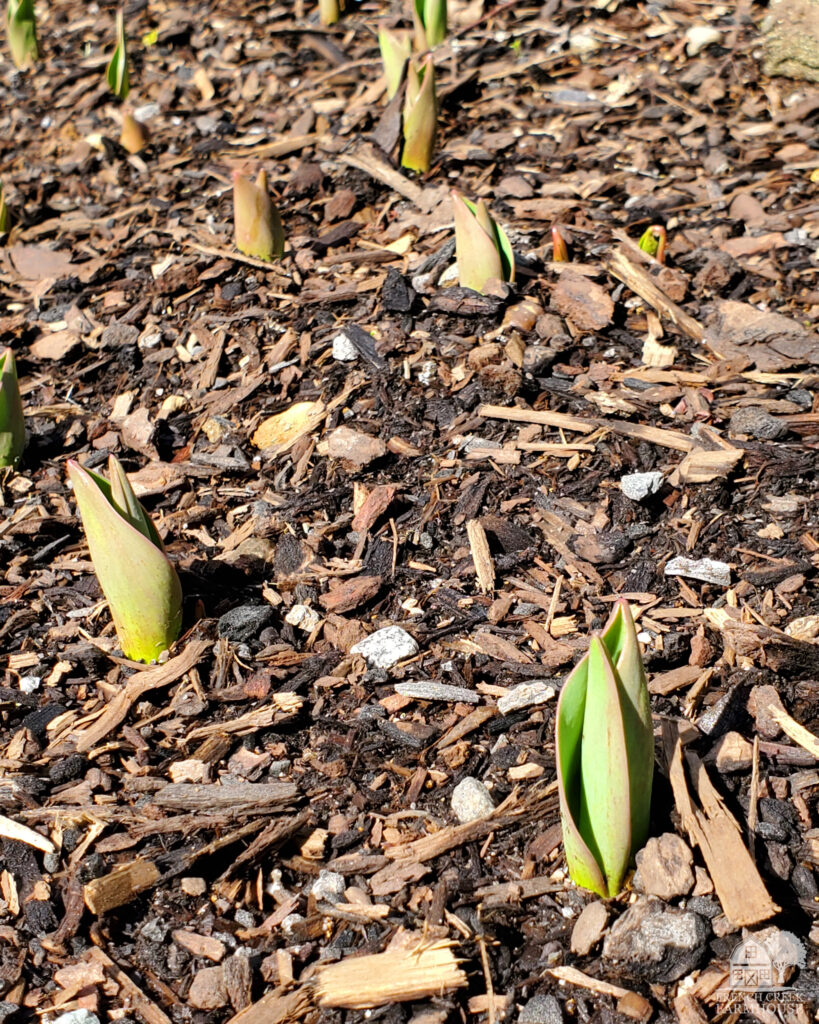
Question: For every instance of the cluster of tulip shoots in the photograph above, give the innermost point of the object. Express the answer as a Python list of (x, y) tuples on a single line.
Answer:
[(420, 111), (604, 748)]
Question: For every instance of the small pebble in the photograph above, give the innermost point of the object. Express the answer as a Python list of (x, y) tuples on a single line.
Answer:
[(665, 867), (655, 941), (303, 617), (541, 1009), (329, 886), (639, 486), (421, 690), (193, 886), (471, 800), (343, 349), (757, 422), (290, 922), (700, 36), (706, 569), (524, 695), (78, 1017), (385, 647)]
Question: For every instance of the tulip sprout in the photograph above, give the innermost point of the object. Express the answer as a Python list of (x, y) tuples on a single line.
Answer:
[(139, 583), (395, 52), (12, 424), (481, 246), (429, 18), (256, 220), (605, 757), (5, 216), (560, 251), (117, 71), (420, 115), (330, 11), (21, 32), (653, 241)]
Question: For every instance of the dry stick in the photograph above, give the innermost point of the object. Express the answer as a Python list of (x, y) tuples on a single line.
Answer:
[(634, 277), (366, 159), (479, 545), (120, 886), (132, 996), (151, 679)]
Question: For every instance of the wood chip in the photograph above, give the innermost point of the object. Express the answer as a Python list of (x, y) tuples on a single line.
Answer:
[(484, 568)]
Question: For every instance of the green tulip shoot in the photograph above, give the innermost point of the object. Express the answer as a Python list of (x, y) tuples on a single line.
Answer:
[(12, 424), (429, 18), (21, 32), (605, 757), (481, 246), (653, 241), (420, 116), (139, 583), (117, 71)]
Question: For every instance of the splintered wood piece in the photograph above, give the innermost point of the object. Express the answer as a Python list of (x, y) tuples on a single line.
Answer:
[(412, 968), (632, 1003), (213, 798), (559, 420), (83, 739), (277, 1007), (642, 284), (10, 829), (738, 884), (131, 996), (365, 158), (700, 466), (120, 886), (479, 545), (793, 730)]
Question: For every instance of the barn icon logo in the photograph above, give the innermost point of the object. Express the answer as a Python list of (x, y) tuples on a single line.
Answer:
[(759, 965)]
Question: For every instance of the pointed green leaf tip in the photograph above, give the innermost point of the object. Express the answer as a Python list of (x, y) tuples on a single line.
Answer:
[(21, 32), (256, 221), (139, 583), (482, 249), (395, 48), (12, 423), (430, 20), (420, 116), (605, 757), (117, 71), (5, 216)]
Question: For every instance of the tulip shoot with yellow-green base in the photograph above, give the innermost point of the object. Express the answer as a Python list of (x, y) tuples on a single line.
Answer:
[(5, 216), (12, 423), (21, 32), (116, 73), (605, 757), (653, 241), (139, 582), (420, 116), (330, 11), (429, 19), (482, 249), (396, 48), (256, 221)]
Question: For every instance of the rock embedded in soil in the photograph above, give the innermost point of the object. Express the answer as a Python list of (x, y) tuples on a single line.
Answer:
[(639, 486), (756, 422), (386, 647), (245, 622), (655, 942), (208, 991), (329, 886), (541, 1009), (471, 800), (665, 867), (525, 695), (760, 702), (601, 548), (73, 1017), (343, 349), (589, 928), (586, 304)]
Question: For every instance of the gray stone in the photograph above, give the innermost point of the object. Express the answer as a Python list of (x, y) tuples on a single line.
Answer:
[(665, 867), (385, 647), (705, 569), (245, 622), (757, 422), (78, 1017), (639, 486), (656, 942), (471, 800), (543, 1009), (421, 689), (525, 695), (589, 927), (329, 886)]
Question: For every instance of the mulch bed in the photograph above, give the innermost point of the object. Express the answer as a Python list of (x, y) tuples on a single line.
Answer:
[(214, 837)]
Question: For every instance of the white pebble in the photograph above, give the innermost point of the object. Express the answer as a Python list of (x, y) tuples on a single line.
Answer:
[(638, 486), (343, 349), (471, 800), (303, 617), (329, 886), (385, 647)]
